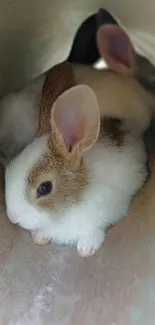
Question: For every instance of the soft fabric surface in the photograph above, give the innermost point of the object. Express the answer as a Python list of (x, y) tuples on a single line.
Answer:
[(53, 285)]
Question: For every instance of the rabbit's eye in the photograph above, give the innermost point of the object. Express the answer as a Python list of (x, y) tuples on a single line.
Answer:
[(44, 189)]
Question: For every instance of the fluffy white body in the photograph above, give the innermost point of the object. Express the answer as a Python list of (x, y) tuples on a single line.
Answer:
[(116, 174), (19, 116)]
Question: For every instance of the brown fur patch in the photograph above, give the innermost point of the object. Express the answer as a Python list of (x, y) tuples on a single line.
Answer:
[(58, 79), (113, 128), (69, 180)]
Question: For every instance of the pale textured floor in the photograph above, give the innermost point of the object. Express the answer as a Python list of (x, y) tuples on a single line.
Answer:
[(52, 285)]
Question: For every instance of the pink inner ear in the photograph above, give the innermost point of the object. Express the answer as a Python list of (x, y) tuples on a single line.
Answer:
[(116, 48), (75, 118), (119, 51), (70, 125)]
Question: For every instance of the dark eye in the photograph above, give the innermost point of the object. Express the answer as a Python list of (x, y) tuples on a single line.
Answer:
[(44, 189)]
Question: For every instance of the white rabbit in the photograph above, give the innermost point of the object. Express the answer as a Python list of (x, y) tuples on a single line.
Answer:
[(72, 182), (118, 92)]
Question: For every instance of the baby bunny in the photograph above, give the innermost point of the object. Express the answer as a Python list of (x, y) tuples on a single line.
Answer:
[(78, 178)]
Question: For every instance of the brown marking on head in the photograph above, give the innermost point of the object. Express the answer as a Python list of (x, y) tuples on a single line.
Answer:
[(58, 79), (75, 124), (113, 128), (68, 180)]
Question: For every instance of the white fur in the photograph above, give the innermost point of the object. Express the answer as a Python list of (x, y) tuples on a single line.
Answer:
[(19, 119), (115, 173)]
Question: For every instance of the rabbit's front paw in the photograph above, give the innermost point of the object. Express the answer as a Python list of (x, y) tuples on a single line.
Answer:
[(38, 239), (88, 245)]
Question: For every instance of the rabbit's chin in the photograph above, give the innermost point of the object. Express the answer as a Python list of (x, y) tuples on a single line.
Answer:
[(30, 217)]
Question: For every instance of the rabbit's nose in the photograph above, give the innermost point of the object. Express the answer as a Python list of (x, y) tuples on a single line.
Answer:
[(14, 218)]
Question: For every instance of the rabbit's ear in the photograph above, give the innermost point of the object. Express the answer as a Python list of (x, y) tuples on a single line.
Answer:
[(75, 119), (116, 48), (84, 49)]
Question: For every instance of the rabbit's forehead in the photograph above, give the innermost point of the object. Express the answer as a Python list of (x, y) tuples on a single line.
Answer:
[(50, 165), (28, 158)]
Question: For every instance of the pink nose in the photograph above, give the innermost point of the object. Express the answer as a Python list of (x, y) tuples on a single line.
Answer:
[(14, 218)]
